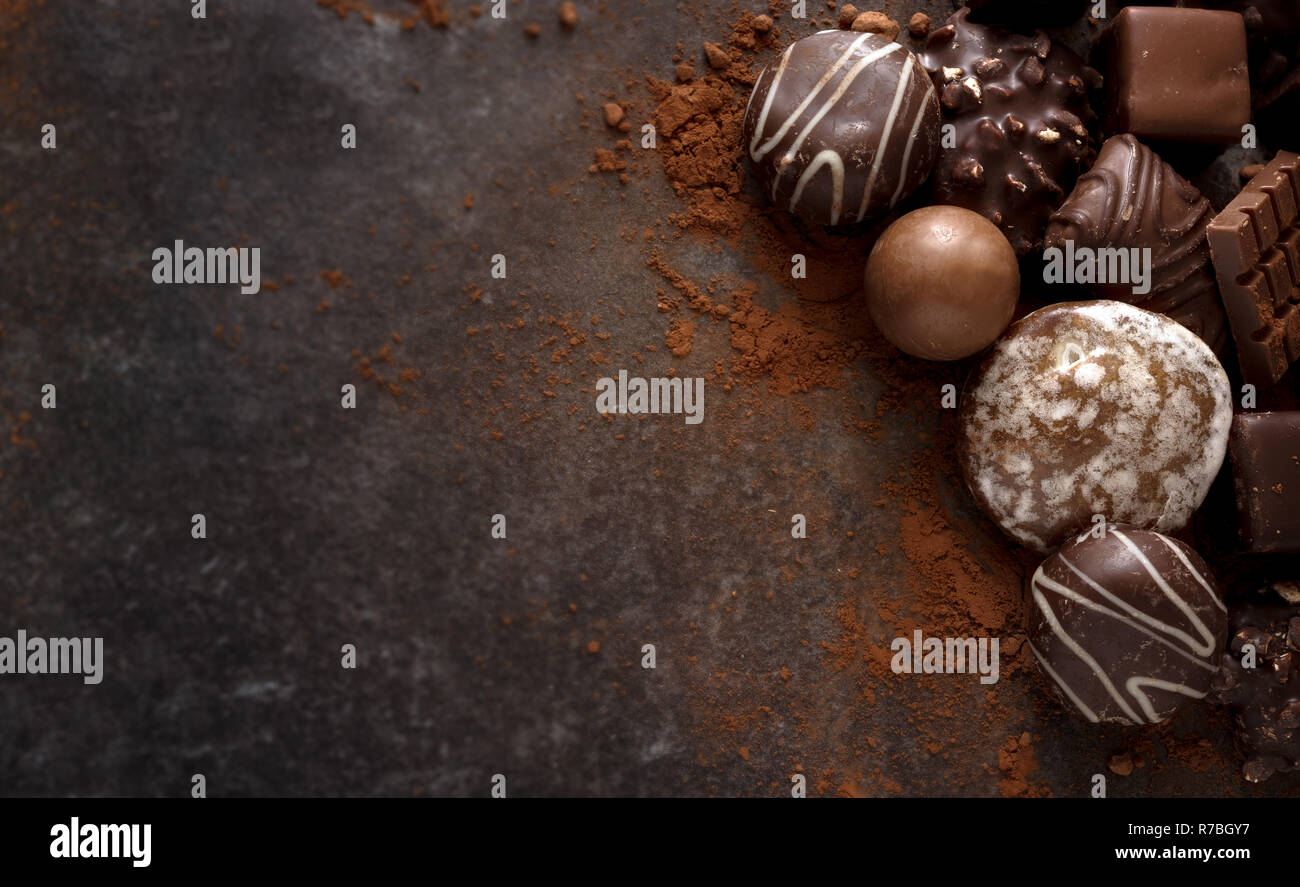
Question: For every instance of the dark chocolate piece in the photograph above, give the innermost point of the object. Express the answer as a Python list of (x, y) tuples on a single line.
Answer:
[(842, 127), (1255, 242), (1020, 108), (1128, 626), (1265, 453), (1264, 701), (1177, 75), (942, 283), (1018, 14), (1131, 199)]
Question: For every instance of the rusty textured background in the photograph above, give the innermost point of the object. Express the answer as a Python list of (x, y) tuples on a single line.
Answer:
[(371, 528)]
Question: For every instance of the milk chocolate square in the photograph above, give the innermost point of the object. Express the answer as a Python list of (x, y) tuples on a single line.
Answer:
[(1177, 75)]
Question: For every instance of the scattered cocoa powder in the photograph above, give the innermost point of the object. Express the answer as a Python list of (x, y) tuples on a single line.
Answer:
[(796, 361), (717, 56), (568, 15), (680, 335), (1017, 763), (433, 13), (876, 23)]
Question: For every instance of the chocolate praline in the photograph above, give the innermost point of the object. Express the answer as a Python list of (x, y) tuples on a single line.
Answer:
[(1127, 625), (1018, 106), (1131, 199), (1088, 408), (942, 283), (842, 127)]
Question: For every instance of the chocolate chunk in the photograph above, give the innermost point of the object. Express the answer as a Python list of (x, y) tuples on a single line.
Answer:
[(1264, 701), (1255, 242), (1031, 13), (1177, 75), (1128, 626), (1265, 453), (843, 127), (1020, 108), (1131, 199)]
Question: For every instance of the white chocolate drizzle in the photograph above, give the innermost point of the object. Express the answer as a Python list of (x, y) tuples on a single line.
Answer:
[(1192, 641), (768, 133)]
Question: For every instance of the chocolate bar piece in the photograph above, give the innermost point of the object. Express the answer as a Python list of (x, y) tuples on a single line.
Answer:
[(1265, 453), (1177, 75), (1255, 242)]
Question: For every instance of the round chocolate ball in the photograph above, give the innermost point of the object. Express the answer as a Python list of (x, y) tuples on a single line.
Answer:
[(1127, 625), (1087, 408), (842, 127), (942, 283)]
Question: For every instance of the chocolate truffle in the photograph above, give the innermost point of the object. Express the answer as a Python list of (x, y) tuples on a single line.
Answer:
[(1127, 625), (1133, 200), (1177, 75), (1264, 701), (942, 283), (843, 127), (1019, 106), (1088, 408)]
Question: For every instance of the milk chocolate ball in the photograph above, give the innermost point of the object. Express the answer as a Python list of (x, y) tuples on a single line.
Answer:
[(942, 283)]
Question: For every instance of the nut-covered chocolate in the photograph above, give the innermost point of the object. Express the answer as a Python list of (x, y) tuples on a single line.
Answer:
[(842, 127), (1094, 408), (1020, 108), (942, 283), (1263, 700), (1127, 625), (1131, 199)]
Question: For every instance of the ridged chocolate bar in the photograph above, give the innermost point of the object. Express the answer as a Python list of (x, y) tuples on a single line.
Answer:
[(1255, 242)]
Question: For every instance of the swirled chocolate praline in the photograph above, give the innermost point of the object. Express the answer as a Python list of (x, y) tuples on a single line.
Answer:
[(1131, 199), (842, 127), (1126, 624)]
